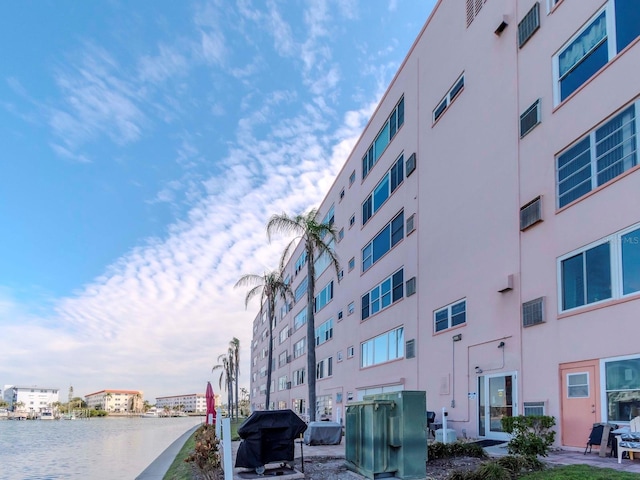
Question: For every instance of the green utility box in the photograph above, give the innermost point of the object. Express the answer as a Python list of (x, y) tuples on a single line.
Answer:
[(386, 435)]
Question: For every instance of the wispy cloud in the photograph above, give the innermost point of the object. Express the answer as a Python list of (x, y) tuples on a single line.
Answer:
[(96, 100)]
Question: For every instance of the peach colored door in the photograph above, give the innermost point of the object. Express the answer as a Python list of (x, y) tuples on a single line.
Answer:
[(579, 411)]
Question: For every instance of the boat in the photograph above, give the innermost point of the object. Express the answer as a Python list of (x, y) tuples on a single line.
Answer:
[(47, 415), (150, 414)]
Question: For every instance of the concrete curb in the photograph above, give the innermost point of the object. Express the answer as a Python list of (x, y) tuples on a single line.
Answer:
[(159, 467)]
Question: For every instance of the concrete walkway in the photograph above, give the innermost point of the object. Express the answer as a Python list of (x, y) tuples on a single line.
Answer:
[(159, 467)]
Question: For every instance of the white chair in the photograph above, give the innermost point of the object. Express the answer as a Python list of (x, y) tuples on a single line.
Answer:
[(629, 442)]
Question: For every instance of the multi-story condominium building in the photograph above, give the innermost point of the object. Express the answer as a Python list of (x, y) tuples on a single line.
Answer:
[(116, 401), (488, 225), (30, 398), (193, 403)]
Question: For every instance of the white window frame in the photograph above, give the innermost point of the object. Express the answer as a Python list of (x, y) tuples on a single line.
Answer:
[(588, 385), (448, 99), (448, 308), (611, 46), (370, 344), (300, 348), (604, 413), (615, 263)]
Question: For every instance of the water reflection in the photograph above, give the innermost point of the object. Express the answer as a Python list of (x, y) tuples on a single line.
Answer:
[(99, 448)]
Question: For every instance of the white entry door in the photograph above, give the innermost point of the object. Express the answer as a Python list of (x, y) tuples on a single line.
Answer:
[(496, 399)]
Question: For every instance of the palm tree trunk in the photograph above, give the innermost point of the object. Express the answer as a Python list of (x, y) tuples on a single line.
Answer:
[(270, 356), (311, 336)]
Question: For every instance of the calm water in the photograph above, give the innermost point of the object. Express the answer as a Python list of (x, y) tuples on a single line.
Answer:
[(99, 448)]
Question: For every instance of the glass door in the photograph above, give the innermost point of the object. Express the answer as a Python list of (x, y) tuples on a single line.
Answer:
[(497, 400)]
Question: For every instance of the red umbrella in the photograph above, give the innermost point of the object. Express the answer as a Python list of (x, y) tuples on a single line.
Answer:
[(211, 405)]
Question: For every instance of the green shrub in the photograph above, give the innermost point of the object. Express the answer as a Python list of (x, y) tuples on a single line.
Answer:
[(438, 450), (530, 435), (493, 471), (206, 455)]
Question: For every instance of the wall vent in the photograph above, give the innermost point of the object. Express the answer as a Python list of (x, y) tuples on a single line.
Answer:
[(288, 385), (529, 25), (410, 349), (410, 164), (531, 213), (530, 118), (533, 312), (411, 224), (411, 286)]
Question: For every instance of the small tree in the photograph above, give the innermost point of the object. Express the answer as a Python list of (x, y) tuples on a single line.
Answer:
[(530, 435)]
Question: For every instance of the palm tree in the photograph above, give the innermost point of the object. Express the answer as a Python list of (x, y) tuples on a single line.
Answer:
[(226, 375), (268, 286), (234, 355), (309, 230)]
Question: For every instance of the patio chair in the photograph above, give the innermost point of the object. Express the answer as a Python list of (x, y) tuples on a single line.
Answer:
[(431, 418), (629, 442), (595, 438)]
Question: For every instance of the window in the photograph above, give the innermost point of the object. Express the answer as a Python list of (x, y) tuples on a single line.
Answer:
[(605, 153), (298, 377), (341, 194), (300, 319), (299, 348), (324, 407), (351, 352), (340, 356), (607, 269), (324, 332), (386, 134), (450, 316), (352, 220), (301, 261), (352, 263), (578, 385), (352, 178), (324, 368), (341, 234), (383, 348), (340, 275), (282, 383), (301, 289), (284, 334), (340, 315), (622, 380), (388, 237), (389, 183), (411, 223), (324, 260), (351, 308), (324, 297), (448, 98), (529, 25), (383, 295), (282, 359), (534, 409), (608, 32)]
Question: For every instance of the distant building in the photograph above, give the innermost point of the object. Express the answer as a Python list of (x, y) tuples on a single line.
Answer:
[(193, 403), (116, 401), (30, 398)]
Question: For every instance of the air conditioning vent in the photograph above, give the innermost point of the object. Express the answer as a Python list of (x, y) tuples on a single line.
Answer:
[(411, 224), (411, 286), (529, 24), (411, 164), (534, 408), (288, 385), (533, 312), (289, 359), (530, 118), (531, 213), (410, 348)]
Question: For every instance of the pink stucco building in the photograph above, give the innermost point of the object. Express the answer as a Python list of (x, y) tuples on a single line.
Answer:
[(489, 226)]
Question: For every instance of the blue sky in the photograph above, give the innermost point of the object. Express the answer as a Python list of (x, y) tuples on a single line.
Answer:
[(144, 147)]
